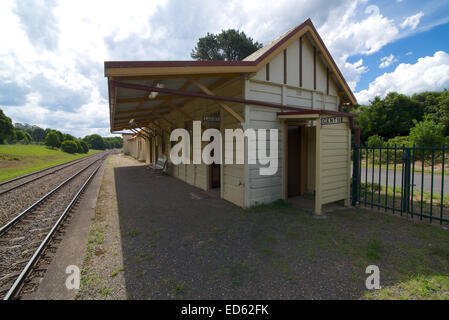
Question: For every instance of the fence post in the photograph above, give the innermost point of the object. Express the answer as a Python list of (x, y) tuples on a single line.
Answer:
[(355, 174), (406, 180)]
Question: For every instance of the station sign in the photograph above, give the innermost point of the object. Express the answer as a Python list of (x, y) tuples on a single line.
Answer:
[(331, 120)]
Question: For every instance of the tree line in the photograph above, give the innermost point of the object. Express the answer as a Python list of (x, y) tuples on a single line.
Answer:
[(26, 134), (421, 119)]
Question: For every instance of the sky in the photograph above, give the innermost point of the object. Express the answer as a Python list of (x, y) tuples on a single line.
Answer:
[(53, 52)]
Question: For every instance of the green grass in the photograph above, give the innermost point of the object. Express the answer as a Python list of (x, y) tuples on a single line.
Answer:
[(433, 287), (276, 205), (418, 168), (412, 256), (133, 233), (373, 249), (395, 194), (17, 160)]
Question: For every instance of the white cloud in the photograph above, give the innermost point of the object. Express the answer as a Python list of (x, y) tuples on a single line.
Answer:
[(412, 21), (387, 61), (409, 53), (347, 34), (52, 52), (428, 73), (353, 72)]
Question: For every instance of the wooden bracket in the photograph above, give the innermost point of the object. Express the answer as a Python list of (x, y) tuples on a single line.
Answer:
[(221, 104)]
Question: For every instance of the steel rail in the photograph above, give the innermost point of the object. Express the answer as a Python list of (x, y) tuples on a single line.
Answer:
[(62, 166), (45, 197), (17, 284)]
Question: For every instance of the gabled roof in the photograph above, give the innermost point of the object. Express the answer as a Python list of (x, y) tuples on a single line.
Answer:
[(250, 64), (255, 56)]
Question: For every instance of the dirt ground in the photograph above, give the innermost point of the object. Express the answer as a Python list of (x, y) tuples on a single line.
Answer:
[(102, 275), (156, 237)]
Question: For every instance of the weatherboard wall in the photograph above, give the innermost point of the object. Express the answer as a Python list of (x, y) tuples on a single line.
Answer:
[(232, 175), (280, 88)]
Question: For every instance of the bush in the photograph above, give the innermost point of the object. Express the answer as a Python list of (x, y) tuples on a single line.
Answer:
[(69, 146), (79, 149), (427, 134), (399, 142), (22, 137), (95, 141), (375, 141), (52, 139), (84, 146)]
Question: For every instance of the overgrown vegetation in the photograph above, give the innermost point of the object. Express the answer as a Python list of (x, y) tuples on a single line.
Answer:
[(398, 119), (31, 134)]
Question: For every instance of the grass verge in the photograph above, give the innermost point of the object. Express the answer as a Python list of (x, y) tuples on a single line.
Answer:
[(17, 160)]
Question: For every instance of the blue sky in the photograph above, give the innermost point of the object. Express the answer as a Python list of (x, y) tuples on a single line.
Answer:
[(406, 50), (52, 52)]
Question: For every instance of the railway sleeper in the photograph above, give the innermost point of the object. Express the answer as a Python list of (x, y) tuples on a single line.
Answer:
[(10, 275), (12, 240)]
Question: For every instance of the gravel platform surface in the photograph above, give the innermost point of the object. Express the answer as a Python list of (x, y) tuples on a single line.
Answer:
[(156, 237)]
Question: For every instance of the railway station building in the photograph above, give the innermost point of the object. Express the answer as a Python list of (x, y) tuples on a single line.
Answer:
[(292, 85)]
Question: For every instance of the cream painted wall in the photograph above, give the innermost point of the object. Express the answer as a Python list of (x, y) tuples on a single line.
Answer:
[(267, 189), (232, 181), (291, 94), (335, 162), (264, 189)]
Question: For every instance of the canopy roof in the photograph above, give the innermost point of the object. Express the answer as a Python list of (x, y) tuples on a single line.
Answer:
[(132, 84)]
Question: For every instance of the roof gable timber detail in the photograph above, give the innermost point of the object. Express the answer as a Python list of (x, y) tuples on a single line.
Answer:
[(147, 68)]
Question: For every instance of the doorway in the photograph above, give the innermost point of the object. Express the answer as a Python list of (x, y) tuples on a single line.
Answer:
[(214, 173), (296, 160)]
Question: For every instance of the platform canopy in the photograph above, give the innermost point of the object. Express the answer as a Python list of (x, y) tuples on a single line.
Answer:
[(144, 91)]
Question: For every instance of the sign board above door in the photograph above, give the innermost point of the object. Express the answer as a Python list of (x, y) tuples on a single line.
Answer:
[(331, 120)]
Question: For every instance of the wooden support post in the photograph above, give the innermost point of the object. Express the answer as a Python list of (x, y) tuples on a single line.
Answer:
[(317, 167)]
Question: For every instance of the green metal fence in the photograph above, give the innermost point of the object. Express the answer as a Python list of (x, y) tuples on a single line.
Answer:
[(402, 180)]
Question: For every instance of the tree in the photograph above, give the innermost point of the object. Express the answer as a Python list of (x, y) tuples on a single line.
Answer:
[(38, 134), (438, 109), (95, 141), (52, 140), (23, 136), (389, 117), (118, 142), (229, 45), (428, 99), (427, 134), (6, 127), (68, 136), (69, 146), (60, 135), (79, 149), (375, 141), (84, 146)]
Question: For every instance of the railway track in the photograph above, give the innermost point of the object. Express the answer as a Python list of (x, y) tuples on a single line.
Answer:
[(25, 237), (21, 181), (19, 194)]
